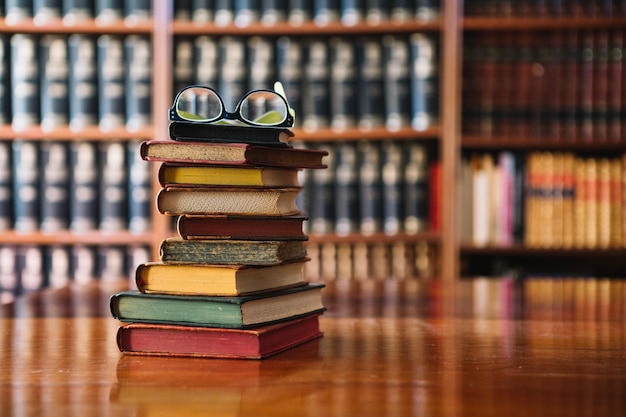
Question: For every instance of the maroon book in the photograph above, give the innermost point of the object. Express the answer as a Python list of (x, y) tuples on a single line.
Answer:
[(210, 342), (241, 227)]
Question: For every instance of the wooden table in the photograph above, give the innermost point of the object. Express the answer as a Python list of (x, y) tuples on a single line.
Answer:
[(389, 350)]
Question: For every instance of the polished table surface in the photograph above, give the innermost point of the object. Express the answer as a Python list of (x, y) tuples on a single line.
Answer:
[(389, 349)]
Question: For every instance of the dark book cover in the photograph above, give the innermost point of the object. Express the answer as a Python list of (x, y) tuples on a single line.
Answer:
[(343, 84), (138, 59), (5, 81), (205, 63), (261, 63), (553, 66), (258, 343), (202, 11), (300, 11), (617, 92), (321, 209), (524, 64), (601, 86), (109, 11), (84, 261), (238, 312), (184, 68), (376, 11), (207, 132), (224, 13), (29, 264), (346, 197), (274, 11), (370, 83), (137, 11), (428, 9), (370, 186), (241, 227), (83, 81), (352, 12), (55, 186), (246, 12), (397, 82), (140, 197), (26, 183), (585, 81), (83, 198), (416, 189), (111, 82), (55, 100), (6, 186), (315, 85), (113, 174), (401, 10), (25, 77), (47, 11), (572, 80), (392, 177), (78, 10), (232, 79), (289, 70), (18, 10), (326, 11), (424, 81), (182, 10)]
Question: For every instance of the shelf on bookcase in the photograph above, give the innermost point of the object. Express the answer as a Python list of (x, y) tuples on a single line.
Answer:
[(540, 23), (326, 135), (521, 250), (82, 27), (65, 133), (431, 237), (70, 238), (500, 143), (306, 28)]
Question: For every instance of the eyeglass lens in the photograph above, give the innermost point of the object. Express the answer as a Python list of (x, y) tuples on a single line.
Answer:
[(259, 107)]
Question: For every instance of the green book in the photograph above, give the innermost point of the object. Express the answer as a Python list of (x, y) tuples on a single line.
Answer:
[(226, 312)]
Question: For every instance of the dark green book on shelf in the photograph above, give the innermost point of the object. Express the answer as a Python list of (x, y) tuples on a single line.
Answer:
[(226, 312)]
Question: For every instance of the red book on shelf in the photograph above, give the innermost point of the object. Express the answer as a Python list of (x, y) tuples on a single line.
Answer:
[(257, 343)]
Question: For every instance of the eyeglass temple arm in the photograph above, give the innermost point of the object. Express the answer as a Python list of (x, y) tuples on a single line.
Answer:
[(278, 87)]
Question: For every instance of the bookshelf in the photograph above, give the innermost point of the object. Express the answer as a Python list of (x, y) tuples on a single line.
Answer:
[(447, 140)]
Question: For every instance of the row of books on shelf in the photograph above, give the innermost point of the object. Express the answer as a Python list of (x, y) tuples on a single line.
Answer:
[(71, 11), (336, 82), (77, 80), (561, 86), (372, 187), (543, 200), (29, 268), (81, 186), (542, 8), (268, 12)]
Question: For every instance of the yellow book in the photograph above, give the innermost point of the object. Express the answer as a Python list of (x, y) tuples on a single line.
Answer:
[(189, 175)]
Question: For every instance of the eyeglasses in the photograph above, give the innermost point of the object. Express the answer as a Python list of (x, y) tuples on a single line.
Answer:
[(263, 108)]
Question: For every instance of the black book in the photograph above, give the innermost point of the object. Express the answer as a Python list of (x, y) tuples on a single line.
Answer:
[(232, 80), (343, 84), (246, 12), (139, 190), (47, 10), (138, 53), (184, 67), (261, 63), (202, 11), (6, 187), (57, 264), (315, 85), (84, 264), (111, 263), (392, 177), (376, 11), (300, 11), (54, 186), (370, 83), (401, 10), (24, 81), (5, 81), (289, 69), (427, 9), (113, 187), (111, 82), (424, 82), (346, 189), (83, 81), (206, 132), (205, 62), (109, 11), (352, 12), (370, 185), (136, 11), (321, 209), (416, 189), (77, 10), (55, 100), (29, 264), (397, 82), (273, 11), (182, 10), (326, 11), (18, 10), (224, 13), (26, 184), (83, 186)]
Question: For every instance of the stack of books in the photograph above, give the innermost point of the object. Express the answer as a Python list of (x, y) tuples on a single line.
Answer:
[(231, 284)]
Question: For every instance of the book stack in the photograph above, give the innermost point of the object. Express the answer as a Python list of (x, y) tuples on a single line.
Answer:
[(231, 284)]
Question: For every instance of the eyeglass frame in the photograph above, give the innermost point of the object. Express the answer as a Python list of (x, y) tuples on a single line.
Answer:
[(288, 122)]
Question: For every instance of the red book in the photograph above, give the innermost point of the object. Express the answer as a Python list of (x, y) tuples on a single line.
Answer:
[(241, 227), (210, 342)]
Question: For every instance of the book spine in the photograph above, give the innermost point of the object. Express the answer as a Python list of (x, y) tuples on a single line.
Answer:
[(24, 81), (9, 281), (224, 12), (321, 210), (139, 190), (26, 184), (401, 10), (346, 189), (352, 12), (261, 63), (246, 12), (424, 82), (111, 263), (136, 11), (29, 265), (77, 10), (111, 86), (370, 184), (326, 11), (205, 64), (300, 11), (415, 194), (586, 84), (342, 84), (202, 11), (233, 75), (84, 263), (182, 11), (601, 88), (376, 11), (83, 82), (5, 81), (113, 187), (18, 10), (428, 9), (553, 93), (397, 82), (315, 95), (392, 176), (47, 10), (54, 186), (109, 11), (289, 69), (83, 186), (55, 82), (273, 11), (6, 187), (57, 265), (571, 89), (184, 68), (138, 53), (616, 103), (370, 83)]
